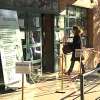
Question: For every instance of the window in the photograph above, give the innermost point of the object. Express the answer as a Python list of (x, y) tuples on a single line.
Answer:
[(76, 16)]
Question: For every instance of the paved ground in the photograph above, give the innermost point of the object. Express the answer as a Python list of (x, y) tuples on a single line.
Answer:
[(45, 88)]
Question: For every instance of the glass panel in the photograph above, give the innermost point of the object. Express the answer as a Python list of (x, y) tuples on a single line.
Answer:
[(78, 12), (79, 22), (55, 6), (33, 21), (71, 22), (21, 19), (84, 32), (84, 23), (8, 2), (66, 22), (59, 22), (20, 2), (34, 37), (36, 69), (46, 5), (71, 11), (59, 36), (67, 32), (57, 64), (84, 41), (71, 33), (84, 12), (34, 3), (35, 52)]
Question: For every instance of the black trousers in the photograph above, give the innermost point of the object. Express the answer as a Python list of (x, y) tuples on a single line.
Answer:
[(72, 65)]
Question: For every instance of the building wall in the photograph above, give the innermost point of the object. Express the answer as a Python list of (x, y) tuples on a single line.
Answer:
[(91, 58)]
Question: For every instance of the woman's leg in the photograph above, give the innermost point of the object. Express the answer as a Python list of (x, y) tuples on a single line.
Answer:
[(83, 67), (71, 66)]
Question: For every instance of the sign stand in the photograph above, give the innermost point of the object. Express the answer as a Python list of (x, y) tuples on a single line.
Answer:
[(80, 53), (23, 67), (22, 86)]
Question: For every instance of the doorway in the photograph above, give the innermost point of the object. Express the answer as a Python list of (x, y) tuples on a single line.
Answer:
[(48, 44)]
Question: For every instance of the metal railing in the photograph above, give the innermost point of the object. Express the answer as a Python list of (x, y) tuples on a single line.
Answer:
[(82, 87)]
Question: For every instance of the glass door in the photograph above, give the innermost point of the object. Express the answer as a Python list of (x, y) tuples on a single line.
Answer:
[(59, 33), (34, 43)]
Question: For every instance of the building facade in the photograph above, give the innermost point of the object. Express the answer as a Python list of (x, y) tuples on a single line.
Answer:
[(43, 25)]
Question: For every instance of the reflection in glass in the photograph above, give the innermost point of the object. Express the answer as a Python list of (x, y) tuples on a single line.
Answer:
[(36, 69), (84, 23), (57, 49), (84, 41), (20, 2), (33, 21), (55, 6), (71, 33), (71, 11), (71, 22), (46, 5), (84, 12), (59, 22), (35, 52), (84, 32), (66, 22), (34, 3), (21, 19), (67, 32), (8, 2), (78, 12), (57, 64), (79, 22), (58, 36)]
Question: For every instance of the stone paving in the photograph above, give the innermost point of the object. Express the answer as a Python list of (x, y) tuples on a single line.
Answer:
[(46, 87)]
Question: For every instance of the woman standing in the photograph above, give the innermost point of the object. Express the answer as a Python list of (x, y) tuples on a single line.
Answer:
[(76, 45)]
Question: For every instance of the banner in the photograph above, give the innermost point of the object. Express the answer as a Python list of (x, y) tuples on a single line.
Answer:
[(10, 45)]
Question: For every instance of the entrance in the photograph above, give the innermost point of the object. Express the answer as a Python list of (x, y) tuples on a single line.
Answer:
[(48, 44)]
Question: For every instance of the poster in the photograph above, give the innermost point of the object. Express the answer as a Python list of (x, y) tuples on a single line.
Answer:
[(10, 45)]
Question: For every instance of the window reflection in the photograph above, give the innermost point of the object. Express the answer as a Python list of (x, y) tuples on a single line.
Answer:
[(57, 63), (59, 22), (71, 22), (8, 2), (20, 2), (34, 3), (71, 11), (79, 22), (35, 52), (84, 12), (21, 19), (36, 69), (78, 12), (33, 21)]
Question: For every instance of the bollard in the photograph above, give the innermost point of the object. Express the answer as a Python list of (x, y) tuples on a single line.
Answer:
[(62, 88), (81, 87)]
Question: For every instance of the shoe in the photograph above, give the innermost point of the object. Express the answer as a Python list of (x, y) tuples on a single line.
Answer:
[(67, 73), (83, 72)]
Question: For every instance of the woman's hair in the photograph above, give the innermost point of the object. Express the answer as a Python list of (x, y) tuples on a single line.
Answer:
[(78, 30)]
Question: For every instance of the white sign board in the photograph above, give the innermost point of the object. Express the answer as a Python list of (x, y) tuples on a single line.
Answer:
[(23, 67), (10, 45)]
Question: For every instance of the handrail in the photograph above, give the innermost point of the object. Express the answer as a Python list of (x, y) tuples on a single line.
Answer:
[(82, 87), (96, 69)]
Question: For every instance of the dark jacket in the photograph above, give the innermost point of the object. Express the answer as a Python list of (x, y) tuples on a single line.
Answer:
[(75, 45)]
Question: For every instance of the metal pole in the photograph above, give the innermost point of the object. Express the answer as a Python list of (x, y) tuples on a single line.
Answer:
[(80, 62), (82, 87), (62, 74), (22, 86)]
